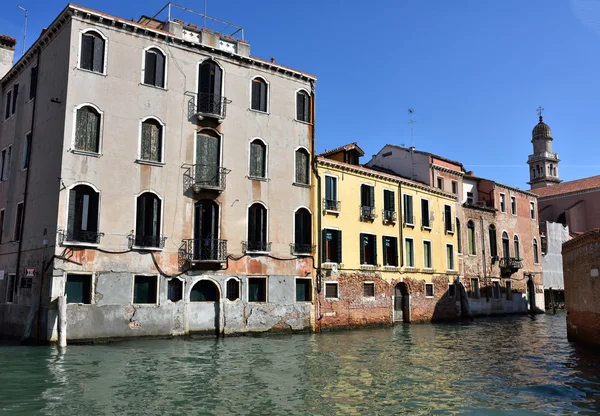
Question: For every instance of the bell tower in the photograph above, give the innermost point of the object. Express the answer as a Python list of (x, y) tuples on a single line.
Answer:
[(543, 164)]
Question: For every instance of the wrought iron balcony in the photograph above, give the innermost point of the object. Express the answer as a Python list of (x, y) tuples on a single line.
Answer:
[(78, 237), (367, 213), (389, 216), (409, 221), (204, 177), (256, 247), (332, 205), (206, 250), (146, 241), (301, 249), (211, 105), (510, 265)]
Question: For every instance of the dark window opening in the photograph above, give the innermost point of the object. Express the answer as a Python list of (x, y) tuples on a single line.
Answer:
[(26, 150), (367, 200), (302, 106), (455, 187), (427, 264), (204, 291), (6, 159), (448, 218), (302, 166), (532, 212), (368, 249), (208, 160), (452, 290), (470, 198), (471, 237), (516, 246), (368, 290), (257, 228), (154, 68), (505, 245), (151, 146), (18, 222), (210, 82), (15, 96), (459, 235), (536, 256), (144, 289), (233, 289), (409, 250), (390, 251), (429, 289), (450, 257), (302, 231), (87, 130), (33, 78), (78, 288), (493, 241), (440, 183), (474, 289), (258, 159), (10, 288), (259, 94), (508, 290), (303, 290), (513, 205), (82, 224), (502, 203), (331, 202), (425, 222), (257, 289), (147, 224), (7, 107), (175, 290), (92, 52), (389, 205), (1, 224), (332, 246), (496, 290), (331, 290)]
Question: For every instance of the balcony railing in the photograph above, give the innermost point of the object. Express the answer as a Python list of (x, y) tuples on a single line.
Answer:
[(146, 241), (409, 220), (301, 249), (426, 223), (332, 205), (204, 177), (206, 250), (211, 105), (388, 216), (367, 213), (510, 265), (79, 236), (256, 247)]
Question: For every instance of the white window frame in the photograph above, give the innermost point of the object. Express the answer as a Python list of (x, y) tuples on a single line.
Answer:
[(255, 178), (451, 230), (337, 189), (92, 285), (337, 291), (368, 282), (310, 102), (414, 265), (100, 133), (432, 290), (429, 220), (502, 201), (532, 210), (268, 112), (266, 278), (311, 290), (248, 217), (412, 197), (513, 198), (162, 212), (455, 183), (438, 178), (146, 49), (430, 254), (535, 246), (221, 138), (453, 258), (83, 32), (163, 128), (183, 284), (133, 275), (331, 263), (309, 173), (198, 79)]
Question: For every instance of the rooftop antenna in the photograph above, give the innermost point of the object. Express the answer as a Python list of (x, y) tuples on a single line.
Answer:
[(411, 121), (204, 13), (25, 29)]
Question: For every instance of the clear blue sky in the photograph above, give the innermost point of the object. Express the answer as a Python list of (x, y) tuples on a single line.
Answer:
[(474, 71)]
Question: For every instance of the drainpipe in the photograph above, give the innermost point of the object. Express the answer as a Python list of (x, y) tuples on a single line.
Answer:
[(401, 223), (483, 260), (318, 207)]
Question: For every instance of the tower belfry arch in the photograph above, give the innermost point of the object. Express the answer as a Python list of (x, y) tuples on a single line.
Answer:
[(543, 163)]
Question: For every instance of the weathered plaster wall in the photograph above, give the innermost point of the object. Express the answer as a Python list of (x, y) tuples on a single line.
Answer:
[(581, 210)]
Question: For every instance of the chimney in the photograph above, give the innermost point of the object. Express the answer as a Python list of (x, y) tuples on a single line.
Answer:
[(7, 54)]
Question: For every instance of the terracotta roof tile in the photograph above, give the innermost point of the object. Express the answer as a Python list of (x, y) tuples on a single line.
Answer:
[(568, 187), (348, 146)]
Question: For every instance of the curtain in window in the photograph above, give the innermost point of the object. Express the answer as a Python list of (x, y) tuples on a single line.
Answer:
[(257, 159), (151, 148), (87, 130), (302, 166)]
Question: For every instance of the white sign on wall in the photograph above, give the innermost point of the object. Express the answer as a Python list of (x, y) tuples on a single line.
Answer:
[(1, 274)]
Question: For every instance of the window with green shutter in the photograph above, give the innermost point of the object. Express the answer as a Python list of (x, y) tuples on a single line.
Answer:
[(78, 288), (82, 222), (154, 68), (148, 213), (151, 145), (87, 130), (302, 166), (409, 251), (258, 159), (407, 201), (427, 255), (303, 106)]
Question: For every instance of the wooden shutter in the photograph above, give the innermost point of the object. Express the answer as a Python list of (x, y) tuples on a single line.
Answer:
[(71, 214), (140, 219), (385, 246), (155, 142), (371, 196), (252, 224), (373, 242), (160, 70), (301, 167), (329, 191), (362, 245), (146, 141), (93, 210), (98, 58), (155, 217), (33, 83), (261, 159), (323, 245), (256, 94), (81, 129), (263, 96), (87, 52), (390, 201), (150, 67), (338, 245), (395, 245), (93, 131)]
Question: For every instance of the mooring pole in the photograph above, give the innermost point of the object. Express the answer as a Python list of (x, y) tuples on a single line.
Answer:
[(62, 321)]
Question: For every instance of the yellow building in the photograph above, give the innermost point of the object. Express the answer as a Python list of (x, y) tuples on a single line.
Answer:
[(386, 247)]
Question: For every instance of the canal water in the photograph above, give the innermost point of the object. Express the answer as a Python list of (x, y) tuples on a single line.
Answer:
[(514, 365)]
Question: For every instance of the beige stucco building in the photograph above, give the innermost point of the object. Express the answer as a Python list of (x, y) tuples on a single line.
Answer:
[(159, 176)]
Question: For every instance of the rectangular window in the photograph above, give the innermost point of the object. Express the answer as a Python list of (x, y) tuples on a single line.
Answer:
[(532, 210), (367, 201), (33, 82), (368, 249), (440, 183), (508, 290), (18, 222), (450, 256), (455, 187), (470, 199), (7, 107), (6, 156), (26, 150), (257, 289), (496, 290), (471, 237), (451, 290), (502, 203), (14, 98), (390, 251), (474, 289), (1, 224), (408, 209), (429, 290), (78, 288), (331, 202), (427, 255), (2, 157), (10, 288), (389, 205), (368, 290), (331, 291), (332, 246), (144, 289), (425, 222), (448, 219), (513, 205), (303, 290), (409, 250)]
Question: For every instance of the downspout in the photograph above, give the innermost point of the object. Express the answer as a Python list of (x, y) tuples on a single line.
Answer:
[(401, 223), (483, 260), (318, 207)]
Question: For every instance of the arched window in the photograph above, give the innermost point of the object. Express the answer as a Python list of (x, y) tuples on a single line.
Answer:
[(87, 130), (258, 159), (210, 82), (82, 223), (206, 243), (302, 166), (302, 232), (151, 141), (147, 221), (257, 229), (92, 52), (259, 94), (493, 241), (537, 171), (154, 68), (536, 256), (458, 235), (516, 244), (505, 245), (551, 169), (303, 106), (471, 237), (204, 291)]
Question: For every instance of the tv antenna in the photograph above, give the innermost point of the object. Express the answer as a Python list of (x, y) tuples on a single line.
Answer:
[(412, 121), (25, 28)]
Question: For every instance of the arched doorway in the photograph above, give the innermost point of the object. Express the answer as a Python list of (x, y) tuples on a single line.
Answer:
[(401, 303), (205, 307), (531, 295)]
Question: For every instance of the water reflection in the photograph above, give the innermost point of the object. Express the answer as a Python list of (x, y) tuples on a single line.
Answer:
[(519, 365)]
